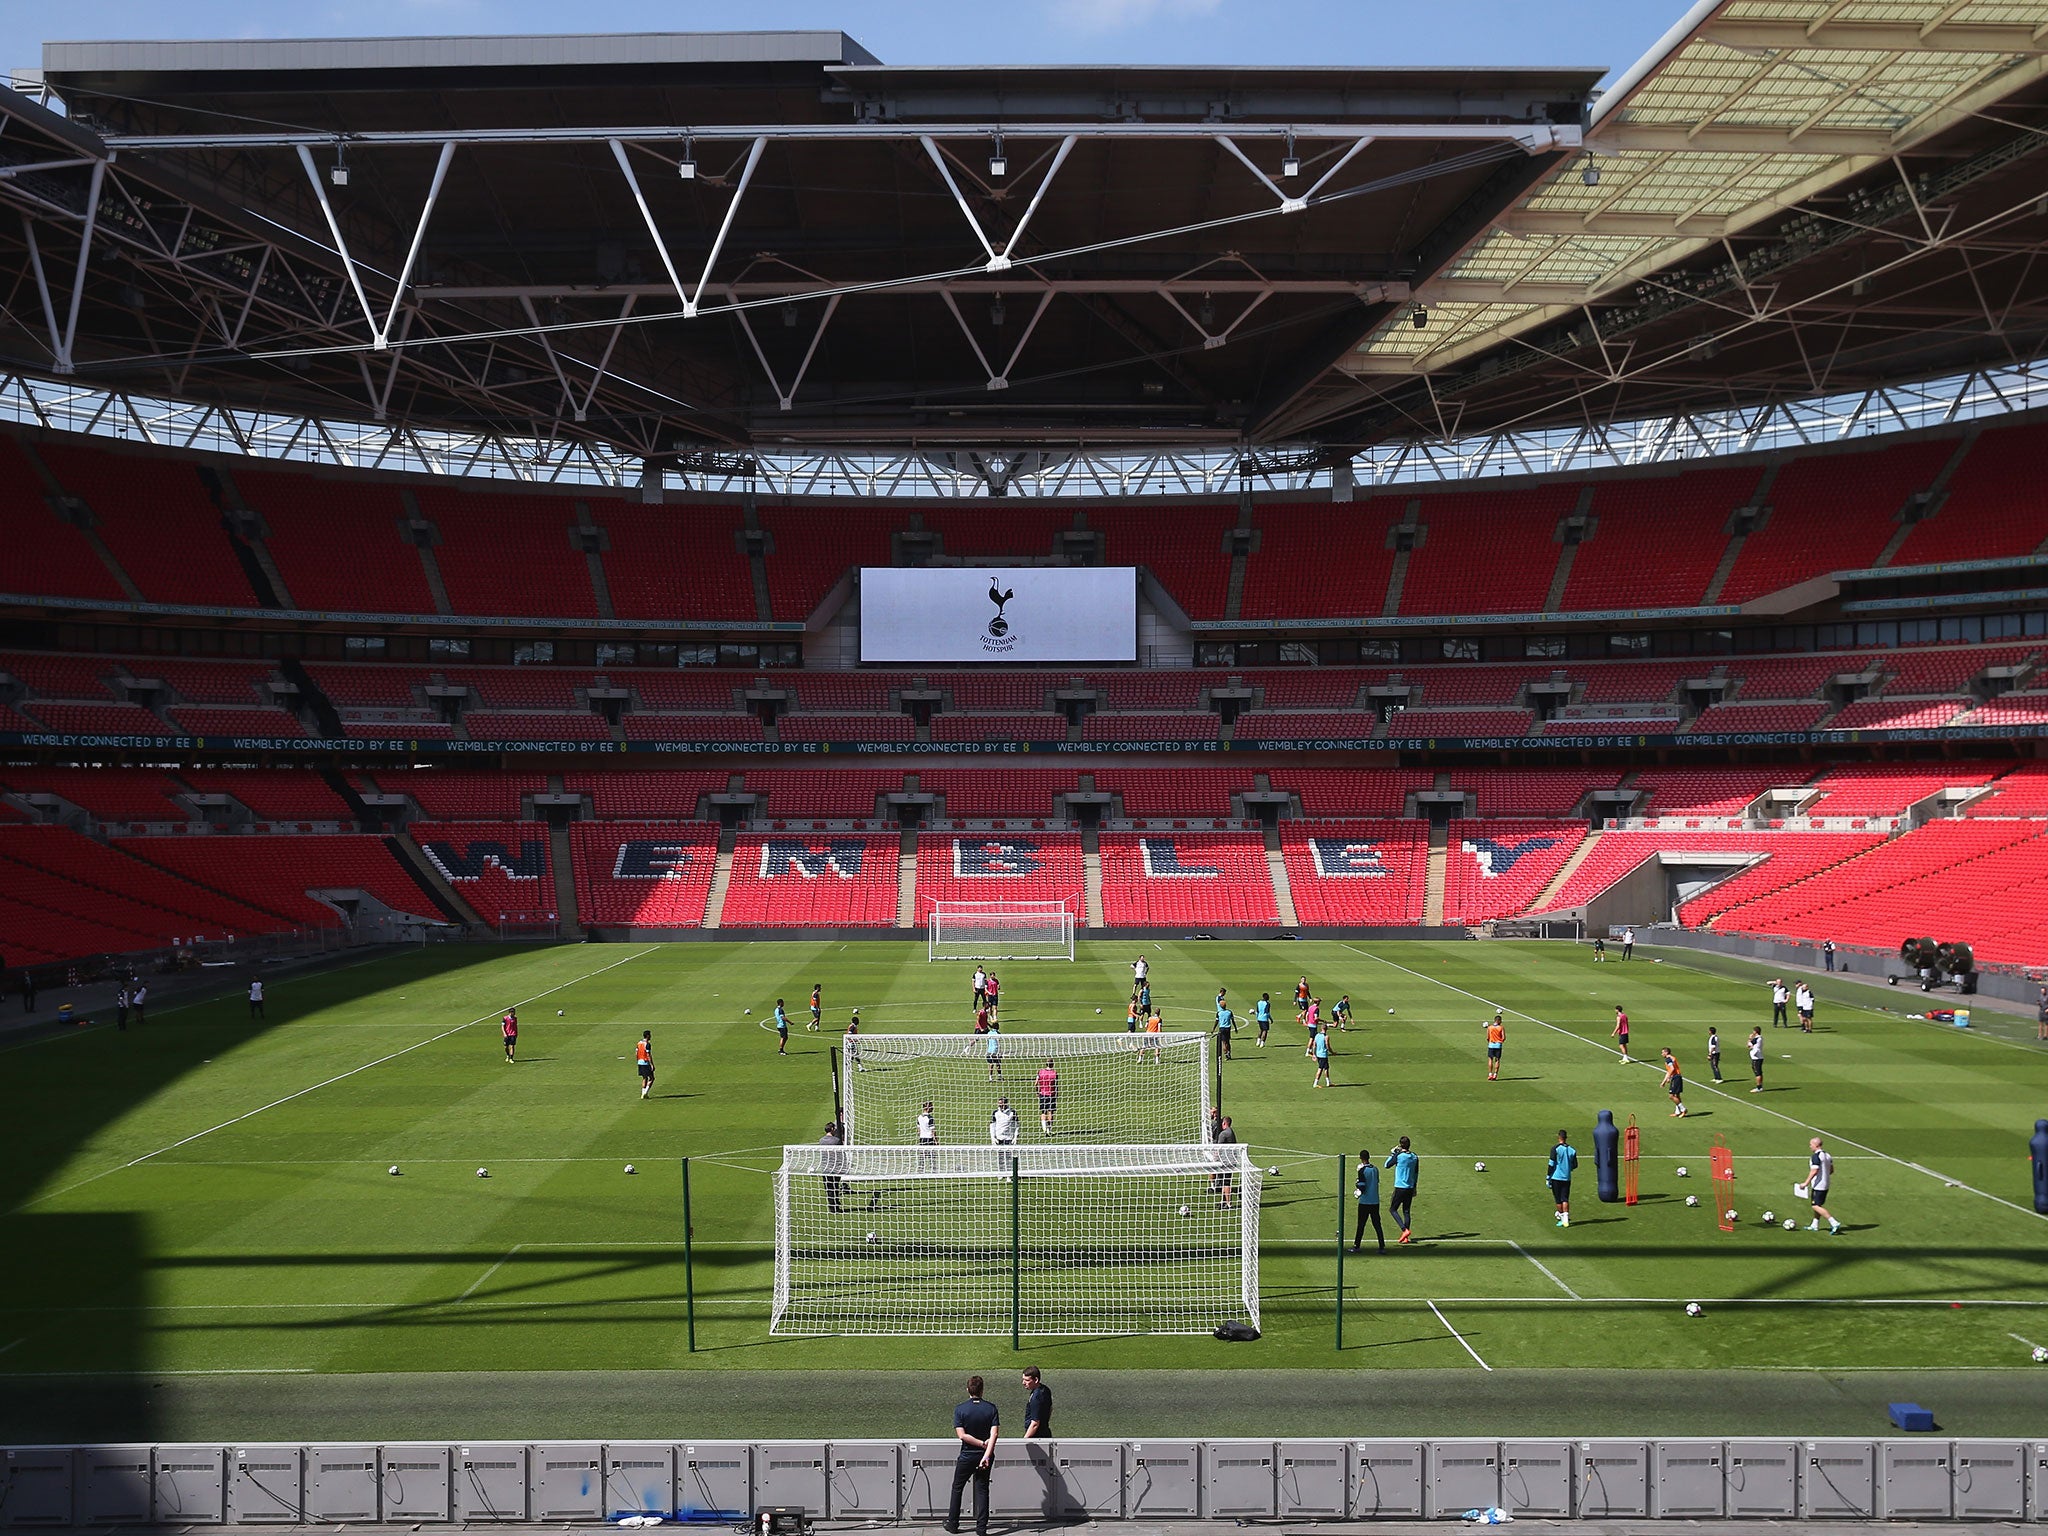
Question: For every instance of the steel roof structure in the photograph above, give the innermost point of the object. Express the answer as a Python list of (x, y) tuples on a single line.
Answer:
[(691, 250)]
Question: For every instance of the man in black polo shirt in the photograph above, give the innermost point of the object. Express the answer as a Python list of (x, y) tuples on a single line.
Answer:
[(1037, 1406), (976, 1425)]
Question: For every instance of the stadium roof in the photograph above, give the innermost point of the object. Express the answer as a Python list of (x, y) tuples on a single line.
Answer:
[(1784, 198)]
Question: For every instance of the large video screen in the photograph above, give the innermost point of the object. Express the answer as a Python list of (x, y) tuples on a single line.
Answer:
[(979, 613)]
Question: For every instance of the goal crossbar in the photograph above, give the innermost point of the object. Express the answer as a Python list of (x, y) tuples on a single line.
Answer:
[(999, 930)]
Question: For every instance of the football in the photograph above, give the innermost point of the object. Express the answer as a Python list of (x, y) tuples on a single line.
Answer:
[(1770, 1218), (393, 1170), (1682, 1173), (483, 1173), (1479, 1167), (2041, 1354), (1098, 1010), (1790, 1224), (1273, 1172), (1692, 1199), (558, 1013), (1730, 1216), (871, 1237), (1390, 1010), (748, 1011), (629, 1167), (1183, 1210), (1693, 1309)]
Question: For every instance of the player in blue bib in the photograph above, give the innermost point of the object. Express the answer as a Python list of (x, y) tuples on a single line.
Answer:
[(1563, 1159)]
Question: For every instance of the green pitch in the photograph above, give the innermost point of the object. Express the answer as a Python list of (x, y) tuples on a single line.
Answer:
[(209, 1194)]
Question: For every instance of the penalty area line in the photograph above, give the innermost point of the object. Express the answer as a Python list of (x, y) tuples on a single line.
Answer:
[(1458, 1336)]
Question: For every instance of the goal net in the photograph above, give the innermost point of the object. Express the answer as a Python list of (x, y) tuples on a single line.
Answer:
[(1039, 1240), (1125, 1088), (999, 930)]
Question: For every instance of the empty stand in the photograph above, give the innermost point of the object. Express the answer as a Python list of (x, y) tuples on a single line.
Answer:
[(648, 794), (1708, 791), (1794, 858), (240, 683), (675, 562), (812, 880), (979, 792), (1638, 682), (513, 725), (1309, 687), (1161, 879), (1460, 686), (507, 554), (2029, 708), (867, 693), (737, 729), (814, 547), (1897, 714), (1831, 512), (654, 874), (999, 866), (1182, 547), (1788, 677), (1022, 530), (1656, 542), (45, 554), (521, 687), (1993, 507), (1886, 789), (369, 686), (1356, 873), (454, 794), (846, 728), (1013, 692), (1174, 791), (1321, 561), (1486, 551), (1949, 670), (1150, 690), (1152, 727), (1784, 858), (1039, 727), (830, 793), (100, 719), (339, 544), (1498, 868), (1330, 725), (274, 873), (273, 794), (1351, 792), (2022, 792), (107, 794), (1531, 791), (1758, 717), (237, 722), (500, 869), (155, 518), (1417, 724), (61, 677), (698, 692)]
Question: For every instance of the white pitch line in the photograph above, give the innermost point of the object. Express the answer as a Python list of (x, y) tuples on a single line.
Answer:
[(15, 1345), (1458, 1336), (2028, 1342), (1525, 1253), (1707, 1087), (326, 1083), (510, 1255)]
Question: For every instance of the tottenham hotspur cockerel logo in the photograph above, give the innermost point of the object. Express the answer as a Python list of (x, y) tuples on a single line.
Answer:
[(999, 626)]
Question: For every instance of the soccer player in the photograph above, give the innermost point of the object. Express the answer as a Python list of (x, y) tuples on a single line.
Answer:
[(1220, 1181), (1153, 1024), (1628, 943), (1141, 970), (1674, 1083), (1262, 1014), (980, 987), (509, 1027), (1341, 1014), (1802, 1001), (994, 1051), (1226, 1024), (643, 1061), (927, 1137), (1301, 1000), (1131, 1015), (255, 998), (853, 1042), (1366, 1190), (1144, 997), (1621, 1029), (781, 1029), (1563, 1159), (138, 999), (1819, 1181), (1756, 1059), (1496, 1042), (995, 987), (1311, 1020), (1407, 1175), (1714, 1052), (1321, 1047), (1002, 1125), (1048, 1095), (1599, 949), (1779, 997), (981, 1019), (831, 1167), (817, 1007)]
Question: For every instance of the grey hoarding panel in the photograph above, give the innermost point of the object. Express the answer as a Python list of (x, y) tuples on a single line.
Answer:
[(1763, 1478), (1536, 1476), (1313, 1478), (863, 1481), (1463, 1474), (1386, 1479), (35, 1486), (715, 1479), (112, 1484), (490, 1482), (1689, 1478), (1237, 1478), (791, 1472), (928, 1478), (1914, 1479), (640, 1479), (266, 1484), (1990, 1479), (566, 1482), (1614, 1478), (1050, 1480), (2037, 1461), (1163, 1480), (416, 1481), (341, 1485), (191, 1484), (1840, 1479)]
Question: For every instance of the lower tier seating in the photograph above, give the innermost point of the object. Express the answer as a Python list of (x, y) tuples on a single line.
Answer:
[(1787, 856), (1193, 878), (1499, 868), (1360, 873), (812, 880), (274, 873), (961, 867), (654, 874), (500, 869)]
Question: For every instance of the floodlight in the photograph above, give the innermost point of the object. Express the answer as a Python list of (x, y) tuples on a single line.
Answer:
[(687, 167), (1590, 173), (1420, 318), (998, 162), (338, 172), (1291, 165), (996, 313)]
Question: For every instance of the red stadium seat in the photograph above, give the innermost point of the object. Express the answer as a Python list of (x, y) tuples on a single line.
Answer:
[(1357, 873), (812, 880), (1152, 879)]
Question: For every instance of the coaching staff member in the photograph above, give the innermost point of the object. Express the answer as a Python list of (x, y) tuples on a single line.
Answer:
[(976, 1425), (1037, 1406)]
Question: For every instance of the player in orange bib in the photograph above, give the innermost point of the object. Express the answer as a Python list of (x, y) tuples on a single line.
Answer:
[(1151, 1044), (1496, 1040), (643, 1061)]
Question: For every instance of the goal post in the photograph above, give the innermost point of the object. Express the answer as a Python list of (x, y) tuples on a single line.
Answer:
[(999, 930), (989, 1240), (1109, 1087)]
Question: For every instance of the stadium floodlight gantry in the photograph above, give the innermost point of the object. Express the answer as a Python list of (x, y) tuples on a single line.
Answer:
[(1015, 1239), (1114, 1087), (1000, 930)]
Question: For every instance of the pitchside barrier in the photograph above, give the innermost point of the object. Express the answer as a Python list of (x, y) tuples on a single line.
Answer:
[(722, 1482)]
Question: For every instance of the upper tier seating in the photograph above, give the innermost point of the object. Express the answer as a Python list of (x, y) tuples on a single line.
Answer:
[(846, 728), (654, 874), (1886, 789), (1758, 717), (274, 873), (812, 880), (1321, 561), (1994, 507), (1351, 792), (1897, 714), (845, 794), (273, 794), (675, 562), (1656, 542), (1831, 512), (106, 794), (1788, 856), (2022, 792), (1022, 530), (339, 544), (646, 794), (1531, 791), (508, 554), (1499, 868), (1170, 879), (1707, 791), (999, 866), (201, 721), (500, 869), (1174, 791), (1417, 724), (1487, 551), (815, 546), (1182, 546), (156, 519), (45, 554), (1365, 873)]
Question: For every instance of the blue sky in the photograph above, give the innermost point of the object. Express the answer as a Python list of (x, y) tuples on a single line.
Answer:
[(1610, 33)]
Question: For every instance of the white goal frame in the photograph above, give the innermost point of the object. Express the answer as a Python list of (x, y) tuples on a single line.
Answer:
[(1038, 1241), (1116, 1087), (999, 930)]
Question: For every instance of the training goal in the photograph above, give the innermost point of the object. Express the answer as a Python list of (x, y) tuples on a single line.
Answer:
[(1112, 1087), (1021, 1240), (999, 930)]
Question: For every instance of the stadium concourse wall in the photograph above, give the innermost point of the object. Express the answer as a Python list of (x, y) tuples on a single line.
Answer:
[(1054, 1481)]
